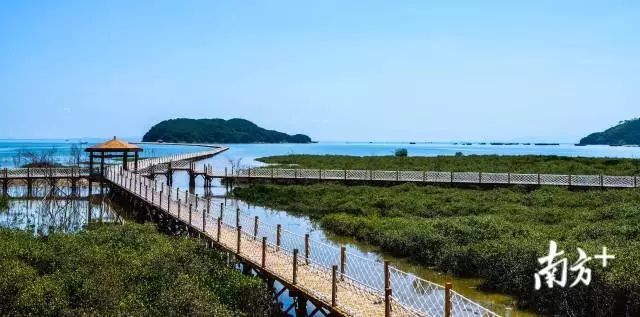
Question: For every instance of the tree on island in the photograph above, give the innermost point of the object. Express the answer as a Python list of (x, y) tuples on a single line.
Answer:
[(217, 131), (625, 133)]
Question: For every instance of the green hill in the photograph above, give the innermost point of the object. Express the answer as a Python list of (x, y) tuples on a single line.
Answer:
[(625, 133), (217, 131)]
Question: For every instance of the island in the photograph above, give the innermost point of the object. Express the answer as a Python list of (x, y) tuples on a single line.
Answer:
[(217, 131), (625, 133)]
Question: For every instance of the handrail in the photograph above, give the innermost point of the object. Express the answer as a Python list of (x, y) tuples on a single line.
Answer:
[(629, 181)]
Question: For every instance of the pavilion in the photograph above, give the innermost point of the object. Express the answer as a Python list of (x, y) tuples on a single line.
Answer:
[(113, 149)]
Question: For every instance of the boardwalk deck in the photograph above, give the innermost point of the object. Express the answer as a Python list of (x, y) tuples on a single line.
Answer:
[(362, 288), (352, 299)]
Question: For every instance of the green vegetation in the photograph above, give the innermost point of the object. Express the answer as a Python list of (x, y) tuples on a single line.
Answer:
[(625, 133), (469, 163), (4, 202), (401, 152), (217, 131), (121, 270), (494, 233)]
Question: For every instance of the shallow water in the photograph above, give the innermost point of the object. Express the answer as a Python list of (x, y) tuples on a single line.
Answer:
[(248, 152)]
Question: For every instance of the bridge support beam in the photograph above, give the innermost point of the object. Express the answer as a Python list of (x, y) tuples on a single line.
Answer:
[(192, 181), (169, 176)]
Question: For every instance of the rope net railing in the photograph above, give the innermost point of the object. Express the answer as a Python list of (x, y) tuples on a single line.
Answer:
[(360, 283), (437, 177), (43, 172)]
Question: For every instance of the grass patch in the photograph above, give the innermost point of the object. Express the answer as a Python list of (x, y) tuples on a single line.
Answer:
[(121, 270), (471, 163), (493, 233)]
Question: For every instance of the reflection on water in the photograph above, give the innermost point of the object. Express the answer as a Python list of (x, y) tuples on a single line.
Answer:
[(47, 209)]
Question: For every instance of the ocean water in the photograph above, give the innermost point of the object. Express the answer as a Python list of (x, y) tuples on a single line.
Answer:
[(247, 153)]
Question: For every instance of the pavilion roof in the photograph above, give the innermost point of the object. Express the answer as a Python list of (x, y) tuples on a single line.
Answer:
[(114, 145)]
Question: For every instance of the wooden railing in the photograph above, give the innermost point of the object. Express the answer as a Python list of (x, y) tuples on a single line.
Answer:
[(437, 177), (44, 172)]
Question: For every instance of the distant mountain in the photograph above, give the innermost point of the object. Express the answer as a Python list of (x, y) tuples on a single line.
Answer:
[(625, 133), (217, 131)]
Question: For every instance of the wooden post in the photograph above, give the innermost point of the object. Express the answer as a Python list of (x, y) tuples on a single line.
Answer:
[(508, 178), (169, 200), (146, 192), (219, 227), (238, 217), (295, 266), (387, 302), (306, 248), (480, 177), (204, 222), (451, 181), (196, 206), (602, 181), (345, 174), (570, 180), (343, 261), (190, 212), (397, 175), (264, 251), (178, 193), (239, 239), (447, 299), (278, 234), (387, 281), (334, 285), (271, 172), (160, 196), (221, 209), (538, 178), (255, 228), (178, 209)]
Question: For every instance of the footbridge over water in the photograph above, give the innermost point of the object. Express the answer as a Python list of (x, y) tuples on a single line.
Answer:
[(323, 280)]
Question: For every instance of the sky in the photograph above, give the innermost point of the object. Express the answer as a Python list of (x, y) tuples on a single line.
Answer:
[(335, 70)]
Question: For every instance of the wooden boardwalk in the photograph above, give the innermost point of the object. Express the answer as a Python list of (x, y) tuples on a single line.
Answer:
[(334, 281), (348, 299), (430, 177), (337, 283)]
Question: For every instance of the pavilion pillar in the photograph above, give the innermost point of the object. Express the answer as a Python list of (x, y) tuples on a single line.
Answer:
[(90, 163), (135, 162), (125, 156), (102, 165)]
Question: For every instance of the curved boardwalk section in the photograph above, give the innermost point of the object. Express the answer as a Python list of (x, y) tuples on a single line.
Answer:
[(337, 282)]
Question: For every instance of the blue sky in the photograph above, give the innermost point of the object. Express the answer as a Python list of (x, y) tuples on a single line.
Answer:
[(335, 70)]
